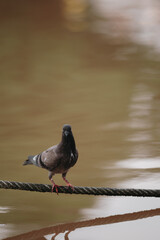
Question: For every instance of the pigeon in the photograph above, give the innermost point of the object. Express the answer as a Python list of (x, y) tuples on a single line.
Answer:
[(58, 158)]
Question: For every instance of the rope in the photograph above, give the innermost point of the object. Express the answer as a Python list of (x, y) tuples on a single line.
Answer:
[(81, 190), (69, 227)]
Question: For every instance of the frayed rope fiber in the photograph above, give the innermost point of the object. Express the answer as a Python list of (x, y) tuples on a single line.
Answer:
[(81, 190)]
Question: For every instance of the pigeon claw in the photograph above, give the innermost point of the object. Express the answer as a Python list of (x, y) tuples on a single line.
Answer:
[(55, 187), (70, 186)]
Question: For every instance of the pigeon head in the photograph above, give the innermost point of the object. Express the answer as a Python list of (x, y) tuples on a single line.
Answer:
[(67, 130), (67, 142)]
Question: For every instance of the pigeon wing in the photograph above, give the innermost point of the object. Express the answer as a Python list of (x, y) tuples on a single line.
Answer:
[(49, 158)]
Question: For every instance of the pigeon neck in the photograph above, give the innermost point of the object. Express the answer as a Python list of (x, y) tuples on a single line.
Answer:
[(68, 143)]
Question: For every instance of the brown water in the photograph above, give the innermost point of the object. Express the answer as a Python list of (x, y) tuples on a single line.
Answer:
[(65, 62)]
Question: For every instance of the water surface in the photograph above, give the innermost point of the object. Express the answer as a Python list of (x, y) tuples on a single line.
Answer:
[(61, 64)]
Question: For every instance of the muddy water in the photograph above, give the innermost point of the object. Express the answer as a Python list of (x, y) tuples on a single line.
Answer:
[(58, 66)]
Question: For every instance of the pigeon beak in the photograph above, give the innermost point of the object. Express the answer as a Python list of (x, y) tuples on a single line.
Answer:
[(66, 133)]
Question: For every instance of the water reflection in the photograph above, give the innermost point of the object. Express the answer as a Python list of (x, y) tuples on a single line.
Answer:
[(75, 13), (4, 209), (140, 117), (135, 21), (121, 21), (50, 233), (140, 163), (141, 167)]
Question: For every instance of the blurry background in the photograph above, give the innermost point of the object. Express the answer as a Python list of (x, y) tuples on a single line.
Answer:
[(95, 65)]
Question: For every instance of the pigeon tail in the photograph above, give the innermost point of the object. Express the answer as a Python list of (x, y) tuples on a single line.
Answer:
[(28, 161)]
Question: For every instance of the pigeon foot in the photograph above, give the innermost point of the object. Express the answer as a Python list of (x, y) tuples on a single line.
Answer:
[(54, 186), (68, 184)]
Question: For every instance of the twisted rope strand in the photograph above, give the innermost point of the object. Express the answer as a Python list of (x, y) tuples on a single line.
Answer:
[(81, 190)]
